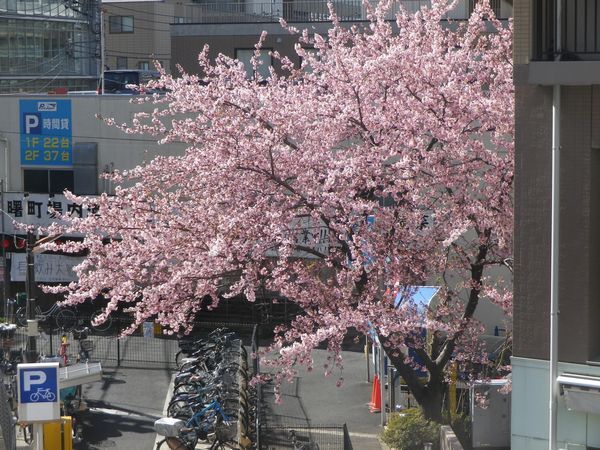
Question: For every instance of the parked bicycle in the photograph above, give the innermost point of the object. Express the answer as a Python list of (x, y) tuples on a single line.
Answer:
[(65, 318), (85, 345), (203, 425)]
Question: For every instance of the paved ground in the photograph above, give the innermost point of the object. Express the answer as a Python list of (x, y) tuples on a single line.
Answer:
[(125, 404), (315, 400), (122, 409)]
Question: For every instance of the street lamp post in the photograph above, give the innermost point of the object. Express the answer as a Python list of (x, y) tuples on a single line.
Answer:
[(31, 348)]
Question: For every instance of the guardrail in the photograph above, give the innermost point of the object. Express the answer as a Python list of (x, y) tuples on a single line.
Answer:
[(580, 28)]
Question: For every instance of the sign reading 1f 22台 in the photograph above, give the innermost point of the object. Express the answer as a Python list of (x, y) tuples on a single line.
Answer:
[(46, 133)]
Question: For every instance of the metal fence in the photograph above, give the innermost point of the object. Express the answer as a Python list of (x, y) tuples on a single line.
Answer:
[(322, 437), (148, 347)]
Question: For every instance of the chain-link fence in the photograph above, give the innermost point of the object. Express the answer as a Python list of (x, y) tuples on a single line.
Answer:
[(313, 437), (147, 347)]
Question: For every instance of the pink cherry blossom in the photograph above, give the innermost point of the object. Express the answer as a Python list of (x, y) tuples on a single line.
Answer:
[(385, 160)]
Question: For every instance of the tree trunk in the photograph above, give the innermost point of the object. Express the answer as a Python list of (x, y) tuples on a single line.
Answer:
[(429, 395), (432, 401)]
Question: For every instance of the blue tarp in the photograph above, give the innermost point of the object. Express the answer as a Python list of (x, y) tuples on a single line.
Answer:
[(419, 295)]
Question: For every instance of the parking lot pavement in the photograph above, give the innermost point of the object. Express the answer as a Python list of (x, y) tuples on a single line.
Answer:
[(313, 401), (123, 408)]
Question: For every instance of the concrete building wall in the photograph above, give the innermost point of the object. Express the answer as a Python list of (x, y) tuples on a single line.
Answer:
[(151, 37), (115, 148), (522, 31), (579, 310)]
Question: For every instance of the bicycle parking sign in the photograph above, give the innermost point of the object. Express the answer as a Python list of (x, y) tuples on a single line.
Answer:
[(38, 392)]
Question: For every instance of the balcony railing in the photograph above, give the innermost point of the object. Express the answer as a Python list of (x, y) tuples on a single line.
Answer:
[(308, 10), (579, 26)]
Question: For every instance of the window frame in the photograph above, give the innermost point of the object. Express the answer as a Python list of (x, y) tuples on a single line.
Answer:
[(115, 25), (49, 184)]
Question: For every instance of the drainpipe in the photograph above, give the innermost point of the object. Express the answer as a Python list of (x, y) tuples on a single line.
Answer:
[(6, 149), (554, 253)]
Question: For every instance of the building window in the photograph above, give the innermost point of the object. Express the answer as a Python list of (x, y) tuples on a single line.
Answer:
[(144, 65), (120, 24), (245, 56), (177, 19), (41, 181), (121, 62)]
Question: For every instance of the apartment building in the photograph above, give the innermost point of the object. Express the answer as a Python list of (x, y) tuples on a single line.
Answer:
[(557, 68), (48, 44), (233, 27), (137, 33)]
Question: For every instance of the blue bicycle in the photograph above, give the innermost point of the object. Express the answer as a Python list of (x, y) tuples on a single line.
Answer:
[(208, 423)]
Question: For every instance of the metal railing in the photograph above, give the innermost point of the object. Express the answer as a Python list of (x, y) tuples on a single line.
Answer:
[(580, 30), (332, 437), (306, 10)]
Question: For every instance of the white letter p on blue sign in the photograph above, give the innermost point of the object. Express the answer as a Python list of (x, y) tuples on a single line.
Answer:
[(31, 121), (33, 377)]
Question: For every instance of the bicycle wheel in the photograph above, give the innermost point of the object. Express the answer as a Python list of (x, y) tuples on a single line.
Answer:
[(66, 319), (103, 326), (180, 409), (21, 315), (189, 438), (179, 357)]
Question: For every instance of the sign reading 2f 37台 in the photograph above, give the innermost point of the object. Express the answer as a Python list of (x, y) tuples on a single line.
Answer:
[(46, 132)]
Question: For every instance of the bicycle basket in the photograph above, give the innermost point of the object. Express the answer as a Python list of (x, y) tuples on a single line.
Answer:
[(168, 426), (87, 345)]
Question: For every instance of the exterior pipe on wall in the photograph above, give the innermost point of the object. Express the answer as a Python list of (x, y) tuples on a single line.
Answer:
[(554, 239), (554, 259)]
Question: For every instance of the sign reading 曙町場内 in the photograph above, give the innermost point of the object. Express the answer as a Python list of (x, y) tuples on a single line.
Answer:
[(46, 133)]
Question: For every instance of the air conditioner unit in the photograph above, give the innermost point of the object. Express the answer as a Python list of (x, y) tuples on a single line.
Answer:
[(581, 392)]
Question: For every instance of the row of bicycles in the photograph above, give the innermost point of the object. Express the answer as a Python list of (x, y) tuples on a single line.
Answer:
[(212, 401)]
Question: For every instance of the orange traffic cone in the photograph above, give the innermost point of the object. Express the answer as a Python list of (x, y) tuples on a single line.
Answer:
[(375, 404), (375, 380)]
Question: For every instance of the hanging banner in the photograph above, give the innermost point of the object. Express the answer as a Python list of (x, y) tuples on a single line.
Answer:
[(48, 268)]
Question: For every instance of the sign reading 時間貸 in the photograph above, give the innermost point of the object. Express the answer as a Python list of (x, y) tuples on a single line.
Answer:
[(37, 386), (46, 132)]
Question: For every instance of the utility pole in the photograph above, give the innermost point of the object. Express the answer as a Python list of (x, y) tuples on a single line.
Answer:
[(31, 348)]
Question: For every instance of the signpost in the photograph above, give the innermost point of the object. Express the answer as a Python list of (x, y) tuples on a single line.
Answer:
[(38, 394)]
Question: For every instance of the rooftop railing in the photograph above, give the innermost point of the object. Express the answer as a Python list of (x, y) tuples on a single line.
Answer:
[(579, 26), (306, 10)]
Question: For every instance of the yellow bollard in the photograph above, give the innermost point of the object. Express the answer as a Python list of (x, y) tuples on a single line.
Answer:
[(452, 403), (58, 435)]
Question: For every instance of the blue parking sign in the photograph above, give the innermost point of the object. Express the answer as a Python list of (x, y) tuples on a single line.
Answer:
[(46, 132), (38, 385)]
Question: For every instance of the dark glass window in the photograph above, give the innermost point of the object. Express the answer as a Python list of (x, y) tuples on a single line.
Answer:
[(120, 24), (60, 180), (35, 181), (47, 181)]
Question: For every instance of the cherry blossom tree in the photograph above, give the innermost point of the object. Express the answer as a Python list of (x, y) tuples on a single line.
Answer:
[(384, 161)]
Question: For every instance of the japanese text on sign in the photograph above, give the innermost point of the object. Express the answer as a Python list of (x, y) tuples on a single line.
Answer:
[(38, 210), (46, 132)]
